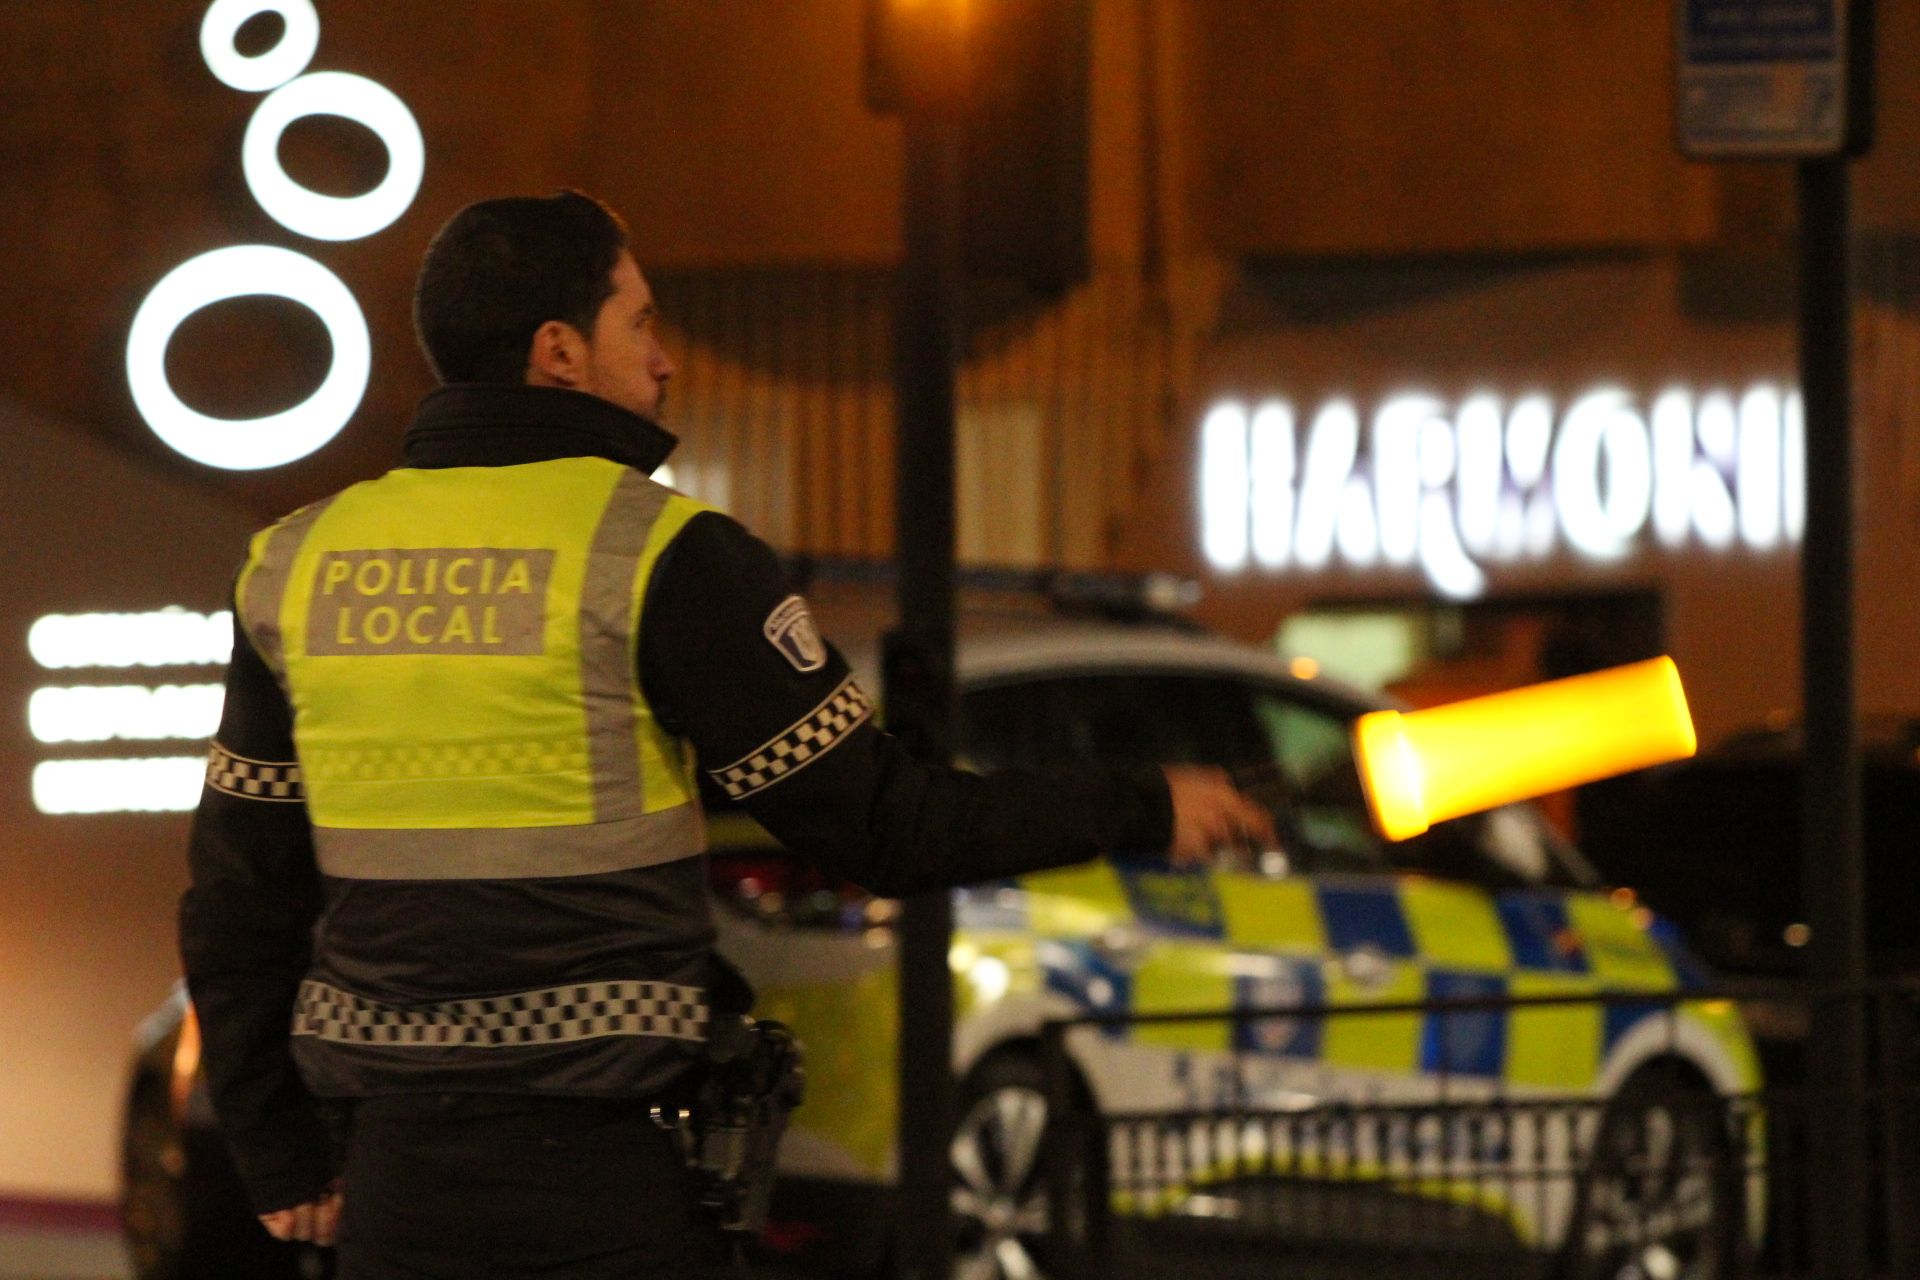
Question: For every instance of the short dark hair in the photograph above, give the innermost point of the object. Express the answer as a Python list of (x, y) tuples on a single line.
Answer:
[(500, 269)]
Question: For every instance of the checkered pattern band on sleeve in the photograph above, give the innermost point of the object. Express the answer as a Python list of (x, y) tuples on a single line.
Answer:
[(255, 779), (551, 1015), (819, 732)]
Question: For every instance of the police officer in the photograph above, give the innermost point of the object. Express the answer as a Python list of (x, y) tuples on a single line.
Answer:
[(451, 835)]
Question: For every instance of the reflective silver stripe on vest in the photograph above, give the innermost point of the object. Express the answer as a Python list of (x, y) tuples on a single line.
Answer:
[(607, 657), (510, 853), (551, 1015), (266, 586)]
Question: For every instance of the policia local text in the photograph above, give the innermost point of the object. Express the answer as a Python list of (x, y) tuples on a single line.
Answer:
[(430, 600)]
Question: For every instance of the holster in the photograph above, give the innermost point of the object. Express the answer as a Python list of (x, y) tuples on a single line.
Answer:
[(730, 1131)]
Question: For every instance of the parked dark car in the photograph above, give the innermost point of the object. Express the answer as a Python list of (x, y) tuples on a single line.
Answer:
[(1715, 844)]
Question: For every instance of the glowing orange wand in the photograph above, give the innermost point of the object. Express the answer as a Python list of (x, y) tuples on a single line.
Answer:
[(1423, 767)]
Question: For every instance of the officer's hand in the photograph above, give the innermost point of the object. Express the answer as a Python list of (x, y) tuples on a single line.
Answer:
[(1210, 814), (315, 1221)]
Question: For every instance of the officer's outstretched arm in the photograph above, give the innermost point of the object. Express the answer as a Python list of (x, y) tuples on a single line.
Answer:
[(1210, 814), (730, 659)]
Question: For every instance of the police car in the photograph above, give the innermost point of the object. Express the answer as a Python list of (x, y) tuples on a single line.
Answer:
[(1492, 906), (1488, 906)]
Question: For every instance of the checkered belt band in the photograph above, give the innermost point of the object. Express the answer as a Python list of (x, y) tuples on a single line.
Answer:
[(552, 1015), (254, 779), (819, 732)]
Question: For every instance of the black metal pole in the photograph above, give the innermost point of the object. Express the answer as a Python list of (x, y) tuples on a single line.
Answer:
[(1832, 852), (1073, 1164), (919, 665)]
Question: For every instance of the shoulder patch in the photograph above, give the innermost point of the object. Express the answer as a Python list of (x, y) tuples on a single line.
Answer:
[(790, 629)]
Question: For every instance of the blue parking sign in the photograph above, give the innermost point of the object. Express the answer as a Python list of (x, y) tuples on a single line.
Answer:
[(1762, 30), (1764, 78)]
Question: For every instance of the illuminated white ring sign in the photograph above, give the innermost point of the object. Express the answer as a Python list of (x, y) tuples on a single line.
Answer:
[(263, 71), (333, 93), (244, 270), (248, 444)]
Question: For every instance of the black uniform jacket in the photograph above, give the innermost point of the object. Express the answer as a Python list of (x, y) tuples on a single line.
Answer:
[(864, 810)]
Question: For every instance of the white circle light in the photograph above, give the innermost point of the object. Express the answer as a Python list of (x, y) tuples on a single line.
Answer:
[(263, 71), (356, 98), (248, 444)]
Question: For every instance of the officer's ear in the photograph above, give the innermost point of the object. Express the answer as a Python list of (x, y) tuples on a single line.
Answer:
[(557, 356)]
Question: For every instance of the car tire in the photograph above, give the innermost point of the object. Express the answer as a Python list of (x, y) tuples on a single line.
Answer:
[(1660, 1197), (1003, 1125)]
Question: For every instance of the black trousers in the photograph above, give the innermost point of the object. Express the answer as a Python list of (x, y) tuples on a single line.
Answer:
[(487, 1187)]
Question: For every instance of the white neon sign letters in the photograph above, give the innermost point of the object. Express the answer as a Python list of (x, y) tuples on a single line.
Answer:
[(149, 784), (126, 712), (263, 270), (170, 637), (1449, 488), (88, 713)]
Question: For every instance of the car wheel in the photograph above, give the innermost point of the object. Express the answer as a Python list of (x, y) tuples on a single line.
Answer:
[(999, 1182), (1660, 1199)]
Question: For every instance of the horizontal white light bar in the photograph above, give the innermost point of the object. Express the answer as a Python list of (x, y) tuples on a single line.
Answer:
[(171, 637), (131, 712), (165, 784)]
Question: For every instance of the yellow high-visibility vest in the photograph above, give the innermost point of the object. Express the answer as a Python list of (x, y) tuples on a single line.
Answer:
[(458, 646)]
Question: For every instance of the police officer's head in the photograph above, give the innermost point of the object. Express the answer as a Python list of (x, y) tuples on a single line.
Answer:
[(541, 290)]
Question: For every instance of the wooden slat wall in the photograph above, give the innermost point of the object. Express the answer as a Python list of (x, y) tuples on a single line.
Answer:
[(784, 405), (1419, 126), (1887, 356), (1223, 129)]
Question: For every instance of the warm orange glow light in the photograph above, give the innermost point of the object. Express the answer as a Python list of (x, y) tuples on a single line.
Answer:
[(186, 1064), (1427, 766), (954, 12)]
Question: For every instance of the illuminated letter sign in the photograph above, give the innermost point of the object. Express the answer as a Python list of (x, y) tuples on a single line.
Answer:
[(1602, 434), (125, 713), (250, 270), (1450, 488)]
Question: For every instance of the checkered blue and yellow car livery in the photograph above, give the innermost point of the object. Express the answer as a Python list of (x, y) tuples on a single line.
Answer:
[(1113, 938), (1346, 940)]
